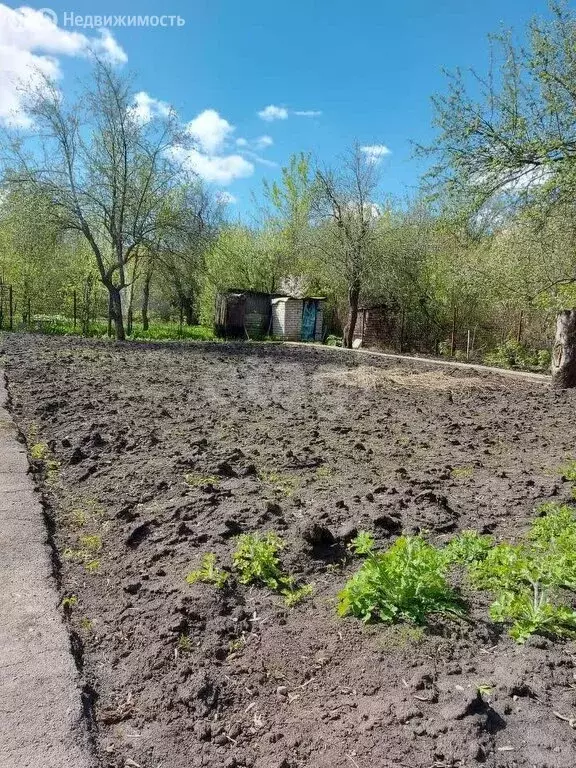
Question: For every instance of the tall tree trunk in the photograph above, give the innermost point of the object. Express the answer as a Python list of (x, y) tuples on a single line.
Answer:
[(564, 351), (189, 310), (353, 299), (116, 312), (146, 301)]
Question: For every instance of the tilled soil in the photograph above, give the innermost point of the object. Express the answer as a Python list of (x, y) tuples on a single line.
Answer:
[(312, 444)]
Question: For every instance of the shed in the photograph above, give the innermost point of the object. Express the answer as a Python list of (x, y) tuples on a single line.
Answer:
[(242, 314), (377, 326), (295, 319)]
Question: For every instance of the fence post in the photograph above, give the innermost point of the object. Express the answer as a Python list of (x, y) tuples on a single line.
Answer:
[(519, 334), (453, 336), (11, 309), (75, 308)]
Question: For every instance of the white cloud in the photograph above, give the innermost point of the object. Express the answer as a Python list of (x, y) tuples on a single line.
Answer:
[(308, 112), (375, 152), (145, 107), (263, 141), (220, 169), (240, 142), (210, 130), (271, 112), (30, 44)]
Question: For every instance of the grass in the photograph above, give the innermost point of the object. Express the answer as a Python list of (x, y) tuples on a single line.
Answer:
[(58, 325), (462, 473)]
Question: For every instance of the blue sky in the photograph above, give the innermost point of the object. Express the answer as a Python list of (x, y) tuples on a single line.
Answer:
[(369, 69)]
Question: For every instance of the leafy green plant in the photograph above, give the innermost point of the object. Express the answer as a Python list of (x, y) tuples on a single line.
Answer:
[(405, 583), (208, 573), (525, 577), (467, 547), (530, 610), (257, 562), (39, 451), (569, 470)]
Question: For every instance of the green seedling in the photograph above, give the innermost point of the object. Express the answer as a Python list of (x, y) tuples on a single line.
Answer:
[(185, 644), (39, 451), (256, 561), (208, 573)]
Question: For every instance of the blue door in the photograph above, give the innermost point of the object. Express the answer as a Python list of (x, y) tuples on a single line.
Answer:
[(308, 320)]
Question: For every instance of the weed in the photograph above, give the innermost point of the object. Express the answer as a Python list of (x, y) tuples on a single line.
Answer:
[(284, 485), (530, 610), (86, 624), (39, 451), (256, 560), (484, 689), (569, 470), (324, 471), (462, 473), (89, 547), (405, 583), (197, 480), (525, 577), (467, 547), (237, 645), (185, 644), (402, 636), (208, 573), (68, 603)]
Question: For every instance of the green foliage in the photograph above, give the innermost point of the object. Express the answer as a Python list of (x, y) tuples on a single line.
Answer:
[(198, 480), (467, 547), (405, 583), (569, 471), (514, 355), (208, 573), (525, 577), (257, 562), (530, 610), (39, 451)]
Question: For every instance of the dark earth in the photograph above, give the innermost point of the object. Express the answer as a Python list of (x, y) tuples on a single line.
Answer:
[(313, 444)]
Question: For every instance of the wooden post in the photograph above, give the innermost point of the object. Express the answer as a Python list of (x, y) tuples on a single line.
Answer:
[(519, 333), (453, 335), (11, 308), (29, 315), (181, 318), (402, 322), (75, 307)]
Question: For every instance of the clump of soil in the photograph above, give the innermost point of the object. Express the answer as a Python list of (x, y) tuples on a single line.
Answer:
[(167, 452)]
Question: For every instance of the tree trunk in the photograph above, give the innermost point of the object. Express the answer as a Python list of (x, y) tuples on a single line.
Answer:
[(564, 351), (353, 298), (116, 312), (146, 301), (189, 310)]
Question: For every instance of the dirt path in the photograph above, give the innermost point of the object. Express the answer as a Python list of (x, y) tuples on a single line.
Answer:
[(451, 364), (40, 706), (167, 452)]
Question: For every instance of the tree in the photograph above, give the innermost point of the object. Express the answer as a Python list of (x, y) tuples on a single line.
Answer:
[(515, 143), (105, 170), (287, 219), (190, 221), (346, 212)]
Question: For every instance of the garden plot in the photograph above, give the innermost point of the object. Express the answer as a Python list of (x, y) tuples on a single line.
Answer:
[(200, 647)]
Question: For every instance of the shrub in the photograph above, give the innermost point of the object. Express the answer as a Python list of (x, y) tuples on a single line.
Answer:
[(511, 354), (406, 582)]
